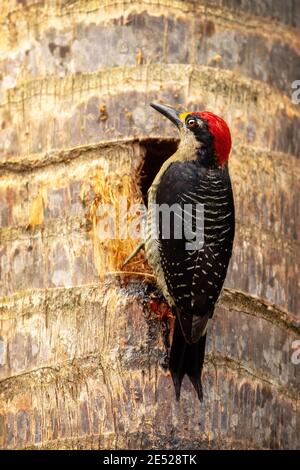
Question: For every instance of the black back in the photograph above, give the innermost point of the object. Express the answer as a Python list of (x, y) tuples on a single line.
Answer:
[(195, 278)]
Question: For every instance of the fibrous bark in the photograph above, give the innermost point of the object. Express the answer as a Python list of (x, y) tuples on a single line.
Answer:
[(81, 357), (83, 369)]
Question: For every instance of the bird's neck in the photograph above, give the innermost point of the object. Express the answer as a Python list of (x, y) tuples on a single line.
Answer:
[(206, 156)]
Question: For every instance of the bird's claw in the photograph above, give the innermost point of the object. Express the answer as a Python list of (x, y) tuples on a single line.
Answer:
[(155, 303)]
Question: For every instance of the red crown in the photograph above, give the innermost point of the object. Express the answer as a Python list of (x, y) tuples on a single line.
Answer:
[(222, 137)]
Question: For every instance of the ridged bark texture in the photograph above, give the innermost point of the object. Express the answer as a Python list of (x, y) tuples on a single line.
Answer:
[(80, 357)]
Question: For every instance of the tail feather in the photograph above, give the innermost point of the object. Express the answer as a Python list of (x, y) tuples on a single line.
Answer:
[(186, 359)]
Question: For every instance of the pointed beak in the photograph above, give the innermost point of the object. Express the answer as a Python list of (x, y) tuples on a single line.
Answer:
[(168, 112)]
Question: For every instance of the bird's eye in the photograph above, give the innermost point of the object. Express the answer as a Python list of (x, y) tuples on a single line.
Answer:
[(191, 122)]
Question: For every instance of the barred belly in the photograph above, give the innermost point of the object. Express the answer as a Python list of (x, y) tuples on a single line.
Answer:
[(152, 248)]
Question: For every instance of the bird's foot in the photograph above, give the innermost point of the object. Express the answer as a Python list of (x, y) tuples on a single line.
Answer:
[(153, 298), (155, 304), (158, 305)]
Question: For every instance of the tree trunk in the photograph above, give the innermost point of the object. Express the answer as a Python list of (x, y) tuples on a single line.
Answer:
[(81, 355)]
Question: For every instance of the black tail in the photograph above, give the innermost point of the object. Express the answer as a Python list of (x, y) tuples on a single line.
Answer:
[(186, 359)]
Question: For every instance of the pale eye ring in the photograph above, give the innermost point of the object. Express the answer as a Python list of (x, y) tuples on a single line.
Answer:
[(191, 122)]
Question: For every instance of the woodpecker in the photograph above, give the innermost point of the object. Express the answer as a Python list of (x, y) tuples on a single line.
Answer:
[(196, 175)]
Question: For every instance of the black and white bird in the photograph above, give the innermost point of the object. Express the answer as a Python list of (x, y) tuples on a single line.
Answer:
[(191, 278)]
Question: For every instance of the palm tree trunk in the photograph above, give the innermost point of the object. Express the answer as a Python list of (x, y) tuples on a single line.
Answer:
[(80, 353)]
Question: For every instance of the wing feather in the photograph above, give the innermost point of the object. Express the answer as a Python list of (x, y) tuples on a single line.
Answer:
[(195, 277)]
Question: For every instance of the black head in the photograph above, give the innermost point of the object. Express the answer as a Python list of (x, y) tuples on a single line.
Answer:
[(211, 135)]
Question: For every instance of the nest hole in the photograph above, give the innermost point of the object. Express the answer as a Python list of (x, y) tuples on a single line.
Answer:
[(157, 151)]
